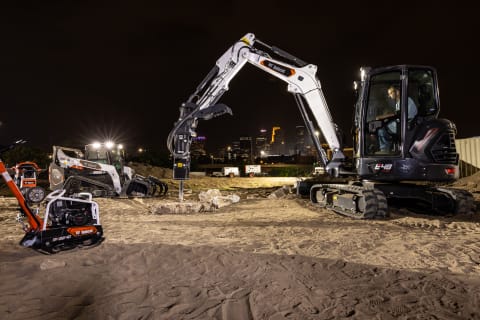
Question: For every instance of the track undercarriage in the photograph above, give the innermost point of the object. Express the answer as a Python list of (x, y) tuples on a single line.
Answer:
[(53, 240), (369, 200), (139, 186)]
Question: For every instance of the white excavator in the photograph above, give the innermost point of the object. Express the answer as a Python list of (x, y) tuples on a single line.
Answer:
[(402, 150)]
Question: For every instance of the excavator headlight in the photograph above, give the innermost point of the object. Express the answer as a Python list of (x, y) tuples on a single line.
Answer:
[(364, 72)]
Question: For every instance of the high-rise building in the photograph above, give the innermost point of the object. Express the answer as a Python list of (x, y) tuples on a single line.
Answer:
[(261, 146), (197, 148), (246, 148), (303, 142), (262, 143), (277, 142)]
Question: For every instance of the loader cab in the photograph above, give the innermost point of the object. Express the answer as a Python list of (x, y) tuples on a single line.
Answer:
[(392, 103), (106, 153)]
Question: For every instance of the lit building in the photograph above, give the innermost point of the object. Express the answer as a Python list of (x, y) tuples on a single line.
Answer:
[(303, 142), (197, 148), (261, 146), (277, 141), (246, 148), (262, 143)]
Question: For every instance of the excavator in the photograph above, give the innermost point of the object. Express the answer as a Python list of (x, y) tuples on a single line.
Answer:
[(66, 223), (402, 152)]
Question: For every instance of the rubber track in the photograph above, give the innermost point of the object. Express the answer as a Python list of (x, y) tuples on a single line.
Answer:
[(382, 205), (464, 201), (71, 180), (371, 203)]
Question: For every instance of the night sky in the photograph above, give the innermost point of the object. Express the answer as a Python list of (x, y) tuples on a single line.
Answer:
[(74, 73)]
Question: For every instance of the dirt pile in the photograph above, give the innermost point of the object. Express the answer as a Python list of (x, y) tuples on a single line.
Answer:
[(470, 183), (149, 170)]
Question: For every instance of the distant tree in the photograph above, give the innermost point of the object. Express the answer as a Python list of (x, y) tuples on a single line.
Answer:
[(151, 157), (25, 153)]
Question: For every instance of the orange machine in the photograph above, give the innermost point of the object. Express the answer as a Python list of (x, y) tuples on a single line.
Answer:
[(26, 174), (25, 178)]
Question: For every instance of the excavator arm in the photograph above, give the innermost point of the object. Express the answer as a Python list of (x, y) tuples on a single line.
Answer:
[(301, 81)]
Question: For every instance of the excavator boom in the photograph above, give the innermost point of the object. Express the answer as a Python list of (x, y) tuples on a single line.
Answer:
[(301, 81)]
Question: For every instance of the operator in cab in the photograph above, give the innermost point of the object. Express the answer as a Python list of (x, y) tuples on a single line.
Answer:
[(390, 128)]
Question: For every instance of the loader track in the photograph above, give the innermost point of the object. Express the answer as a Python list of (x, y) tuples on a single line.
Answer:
[(139, 186), (75, 184)]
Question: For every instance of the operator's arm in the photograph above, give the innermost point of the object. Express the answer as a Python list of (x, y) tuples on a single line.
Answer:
[(412, 108), (385, 116)]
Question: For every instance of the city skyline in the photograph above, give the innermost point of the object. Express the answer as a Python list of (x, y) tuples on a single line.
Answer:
[(261, 145)]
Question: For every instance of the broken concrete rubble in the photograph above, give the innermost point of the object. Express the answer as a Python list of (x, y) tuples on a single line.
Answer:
[(208, 201), (214, 197), (280, 193)]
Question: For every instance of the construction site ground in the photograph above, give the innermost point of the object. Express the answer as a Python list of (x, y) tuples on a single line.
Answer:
[(263, 257)]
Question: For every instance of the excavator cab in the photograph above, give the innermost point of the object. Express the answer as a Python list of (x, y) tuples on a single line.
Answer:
[(397, 135)]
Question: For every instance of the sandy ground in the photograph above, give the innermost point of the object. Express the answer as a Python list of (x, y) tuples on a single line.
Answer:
[(260, 258)]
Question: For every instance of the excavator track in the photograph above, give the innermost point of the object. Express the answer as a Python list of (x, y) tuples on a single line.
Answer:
[(464, 203), (382, 204), (354, 201), (369, 200)]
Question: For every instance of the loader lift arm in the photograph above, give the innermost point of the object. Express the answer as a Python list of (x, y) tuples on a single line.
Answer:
[(302, 83)]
